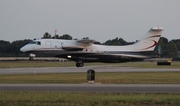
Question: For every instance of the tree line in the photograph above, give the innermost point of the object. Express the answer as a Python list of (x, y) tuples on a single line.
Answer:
[(8, 49), (165, 48)]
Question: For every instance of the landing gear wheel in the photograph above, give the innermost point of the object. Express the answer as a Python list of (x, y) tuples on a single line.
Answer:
[(79, 64)]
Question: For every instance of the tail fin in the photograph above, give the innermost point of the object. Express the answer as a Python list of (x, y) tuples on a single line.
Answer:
[(150, 40)]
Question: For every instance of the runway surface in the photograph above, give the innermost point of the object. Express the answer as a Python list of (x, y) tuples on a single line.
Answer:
[(116, 88), (83, 69)]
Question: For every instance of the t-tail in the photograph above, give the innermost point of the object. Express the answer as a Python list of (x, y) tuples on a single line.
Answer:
[(149, 40)]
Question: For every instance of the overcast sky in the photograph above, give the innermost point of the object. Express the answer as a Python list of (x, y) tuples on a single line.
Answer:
[(97, 19)]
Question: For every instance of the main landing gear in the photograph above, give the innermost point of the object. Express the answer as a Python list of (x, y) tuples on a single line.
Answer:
[(79, 64)]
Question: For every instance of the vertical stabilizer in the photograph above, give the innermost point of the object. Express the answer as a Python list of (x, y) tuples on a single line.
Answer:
[(150, 40)]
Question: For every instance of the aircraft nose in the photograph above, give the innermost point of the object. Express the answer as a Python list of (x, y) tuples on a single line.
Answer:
[(23, 49)]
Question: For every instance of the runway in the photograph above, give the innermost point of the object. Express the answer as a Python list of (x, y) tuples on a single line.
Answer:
[(116, 88), (112, 88), (83, 69)]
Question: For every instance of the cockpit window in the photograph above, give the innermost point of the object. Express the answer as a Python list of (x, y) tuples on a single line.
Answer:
[(35, 42)]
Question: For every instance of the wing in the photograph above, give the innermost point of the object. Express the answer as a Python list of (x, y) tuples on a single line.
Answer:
[(78, 45), (86, 41)]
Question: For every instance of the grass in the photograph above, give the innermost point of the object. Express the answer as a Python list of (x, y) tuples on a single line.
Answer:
[(86, 99), (104, 78)]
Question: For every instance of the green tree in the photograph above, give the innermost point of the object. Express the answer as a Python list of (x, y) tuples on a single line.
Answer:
[(172, 49), (165, 40), (15, 46), (4, 45), (66, 36), (55, 37), (162, 43), (122, 41), (116, 41), (97, 42), (46, 36), (177, 43), (12, 49)]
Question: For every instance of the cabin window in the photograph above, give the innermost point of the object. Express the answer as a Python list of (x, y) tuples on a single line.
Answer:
[(38, 43)]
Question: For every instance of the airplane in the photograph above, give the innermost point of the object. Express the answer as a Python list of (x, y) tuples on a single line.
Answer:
[(85, 50)]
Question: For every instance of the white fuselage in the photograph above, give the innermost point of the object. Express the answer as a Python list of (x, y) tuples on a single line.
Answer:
[(86, 51)]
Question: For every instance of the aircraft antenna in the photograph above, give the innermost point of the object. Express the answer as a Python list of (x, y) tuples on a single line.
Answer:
[(55, 31)]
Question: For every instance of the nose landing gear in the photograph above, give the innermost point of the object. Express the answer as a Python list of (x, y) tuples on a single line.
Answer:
[(31, 56)]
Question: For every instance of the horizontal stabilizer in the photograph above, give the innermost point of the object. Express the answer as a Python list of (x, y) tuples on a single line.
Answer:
[(157, 29)]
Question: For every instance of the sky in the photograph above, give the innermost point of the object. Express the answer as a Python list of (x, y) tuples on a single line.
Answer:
[(97, 19)]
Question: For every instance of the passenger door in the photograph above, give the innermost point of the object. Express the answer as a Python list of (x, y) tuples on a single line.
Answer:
[(48, 46)]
